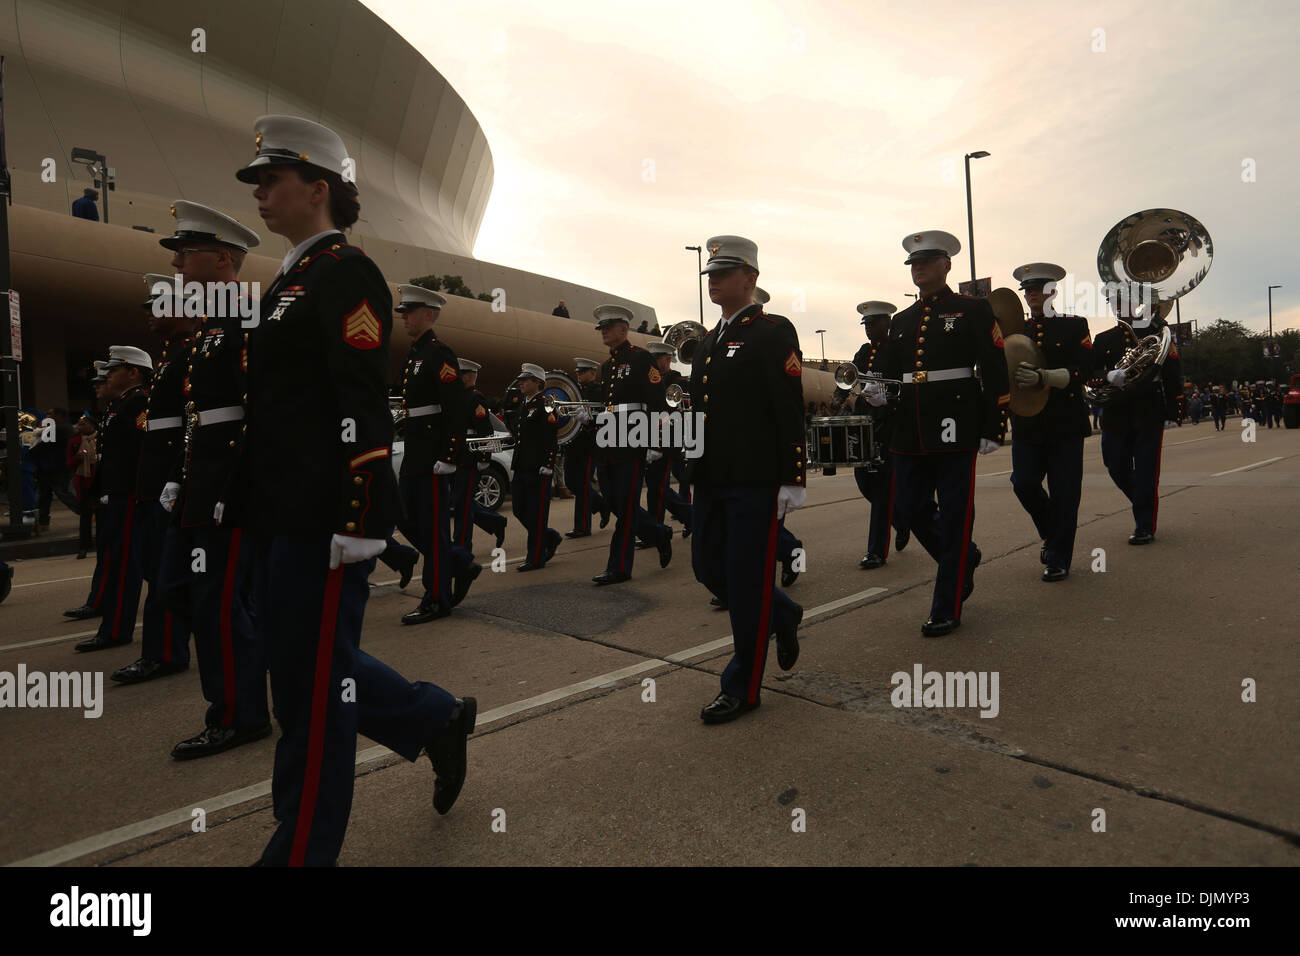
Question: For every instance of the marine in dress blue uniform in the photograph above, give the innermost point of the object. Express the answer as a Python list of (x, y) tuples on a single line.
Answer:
[(659, 494), (534, 466), (945, 415), (1133, 423), (1049, 445), (434, 399), (323, 500), (90, 511), (120, 440), (466, 511), (630, 386), (580, 456), (746, 380)]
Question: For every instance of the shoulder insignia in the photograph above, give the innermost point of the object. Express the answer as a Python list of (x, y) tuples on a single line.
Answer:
[(792, 364), (141, 420), (1087, 341), (447, 373), (655, 377), (361, 329), (997, 336), (551, 419), (480, 412)]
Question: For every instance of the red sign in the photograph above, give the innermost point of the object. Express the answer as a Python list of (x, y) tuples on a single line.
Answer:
[(15, 328)]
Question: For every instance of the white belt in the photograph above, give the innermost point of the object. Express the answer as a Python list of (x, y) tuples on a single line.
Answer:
[(423, 410), (628, 407), (936, 375), (215, 416), (158, 424)]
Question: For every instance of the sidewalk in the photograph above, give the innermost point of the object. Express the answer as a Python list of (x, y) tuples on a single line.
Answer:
[(60, 539)]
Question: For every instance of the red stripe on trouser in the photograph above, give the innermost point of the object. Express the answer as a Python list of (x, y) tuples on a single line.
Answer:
[(540, 527), (126, 560), (435, 545), (319, 709), (889, 513), (765, 609), (1155, 498), (227, 638), (103, 578), (965, 541), (629, 522)]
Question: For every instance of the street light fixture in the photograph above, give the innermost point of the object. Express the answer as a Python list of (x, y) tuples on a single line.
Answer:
[(101, 175), (699, 260), (970, 217), (822, 333), (1272, 367)]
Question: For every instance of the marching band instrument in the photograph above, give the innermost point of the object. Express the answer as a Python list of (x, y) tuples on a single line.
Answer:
[(849, 376), (684, 337), (677, 397), (490, 444), (843, 441), (1018, 348), (1167, 253), (562, 396)]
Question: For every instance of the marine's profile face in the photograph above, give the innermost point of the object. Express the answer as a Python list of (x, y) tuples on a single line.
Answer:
[(929, 272), (732, 285), (284, 201), (1035, 297), (613, 335)]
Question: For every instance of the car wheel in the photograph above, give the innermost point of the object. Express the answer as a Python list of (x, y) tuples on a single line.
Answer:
[(491, 490)]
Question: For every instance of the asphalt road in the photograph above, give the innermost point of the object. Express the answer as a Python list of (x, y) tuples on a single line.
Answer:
[(1119, 699)]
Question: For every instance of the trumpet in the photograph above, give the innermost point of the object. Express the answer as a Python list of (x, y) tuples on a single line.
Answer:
[(565, 408), (677, 397), (490, 444), (849, 376)]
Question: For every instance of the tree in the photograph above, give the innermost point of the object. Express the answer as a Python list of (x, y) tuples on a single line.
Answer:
[(432, 283)]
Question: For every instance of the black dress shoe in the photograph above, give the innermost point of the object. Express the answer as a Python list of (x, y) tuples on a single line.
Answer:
[(447, 753), (1055, 574), (407, 570), (665, 547), (787, 641), (98, 644), (969, 587), (901, 539), (939, 626), (725, 708), (144, 669), (718, 603), (604, 519), (871, 561), (1141, 537), (553, 539), (577, 534), (610, 577), (788, 576), (686, 530), (460, 584), (529, 566), (83, 612), (215, 739), (1042, 555), (501, 538), (80, 555), (425, 612)]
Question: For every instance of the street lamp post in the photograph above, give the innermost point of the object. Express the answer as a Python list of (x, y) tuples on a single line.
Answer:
[(1272, 367), (970, 216), (699, 280), (822, 333)]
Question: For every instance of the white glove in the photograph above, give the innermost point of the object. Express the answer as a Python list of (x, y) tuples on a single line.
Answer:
[(789, 498), (218, 511), (1056, 377), (1028, 376), (544, 472), (104, 500), (347, 550), (1170, 423), (1116, 376), (168, 497), (875, 394), (443, 468), (481, 466), (987, 446), (581, 415), (652, 456)]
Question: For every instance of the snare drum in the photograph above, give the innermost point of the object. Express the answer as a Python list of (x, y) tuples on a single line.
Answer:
[(841, 441)]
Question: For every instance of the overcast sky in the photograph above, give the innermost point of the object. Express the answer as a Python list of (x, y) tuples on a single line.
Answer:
[(826, 131)]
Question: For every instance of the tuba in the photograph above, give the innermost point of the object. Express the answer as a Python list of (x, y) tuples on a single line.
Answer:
[(1166, 253), (684, 337)]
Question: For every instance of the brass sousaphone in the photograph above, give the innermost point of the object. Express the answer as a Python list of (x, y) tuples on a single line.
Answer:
[(1165, 253), (1010, 315)]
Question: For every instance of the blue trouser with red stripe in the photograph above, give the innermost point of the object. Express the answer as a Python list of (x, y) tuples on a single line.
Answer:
[(578, 470), (1055, 512), (426, 522), (90, 506), (326, 690), (1133, 460), (786, 543), (463, 485), (530, 499), (878, 488), (949, 478), (621, 481), (165, 635), (217, 602), (734, 553), (122, 573), (659, 495)]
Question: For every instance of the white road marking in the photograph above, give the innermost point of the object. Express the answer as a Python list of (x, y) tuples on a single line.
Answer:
[(1190, 440), (994, 474), (183, 815), (56, 640), (1258, 464), (32, 584)]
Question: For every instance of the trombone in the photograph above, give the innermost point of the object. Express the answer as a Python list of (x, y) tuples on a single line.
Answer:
[(849, 376)]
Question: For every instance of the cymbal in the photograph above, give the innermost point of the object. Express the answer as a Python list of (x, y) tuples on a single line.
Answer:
[(1021, 348), (1007, 310)]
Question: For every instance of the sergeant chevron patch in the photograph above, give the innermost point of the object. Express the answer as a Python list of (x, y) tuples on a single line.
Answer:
[(792, 364), (361, 329), (447, 373)]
